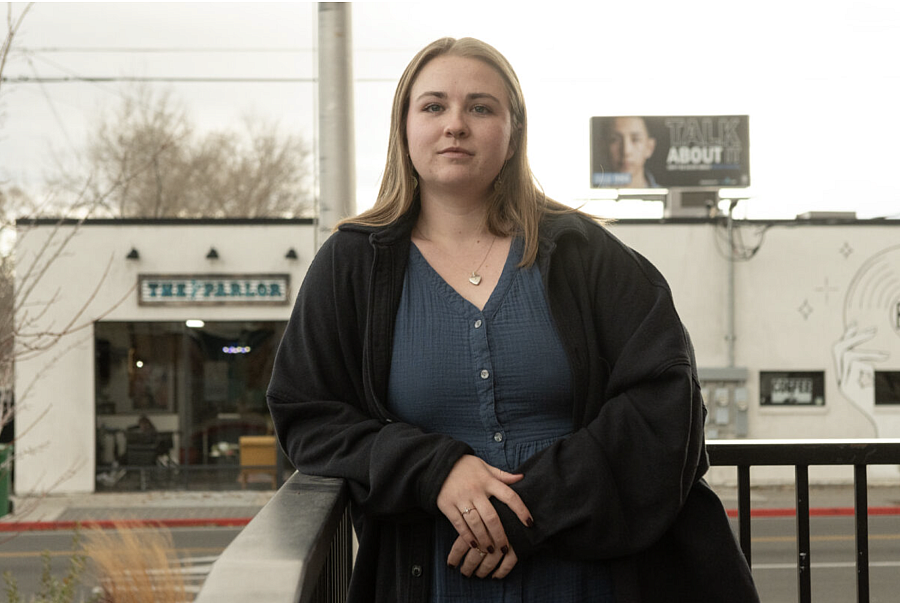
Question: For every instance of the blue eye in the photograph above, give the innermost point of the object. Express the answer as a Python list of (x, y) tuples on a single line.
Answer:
[(431, 108), (481, 109)]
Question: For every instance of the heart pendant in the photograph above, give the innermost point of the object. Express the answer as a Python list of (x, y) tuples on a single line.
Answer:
[(475, 279)]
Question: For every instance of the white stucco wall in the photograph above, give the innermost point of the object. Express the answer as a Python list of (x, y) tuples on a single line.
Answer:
[(805, 288), (795, 299), (55, 418)]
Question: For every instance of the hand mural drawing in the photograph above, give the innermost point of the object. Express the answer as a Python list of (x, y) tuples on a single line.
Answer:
[(855, 371), (871, 329)]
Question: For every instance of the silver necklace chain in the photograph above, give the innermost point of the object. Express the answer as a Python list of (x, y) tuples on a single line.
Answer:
[(475, 278)]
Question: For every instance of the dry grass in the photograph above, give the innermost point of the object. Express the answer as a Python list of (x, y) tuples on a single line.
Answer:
[(136, 565)]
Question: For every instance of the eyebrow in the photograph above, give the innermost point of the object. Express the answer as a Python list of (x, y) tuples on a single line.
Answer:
[(472, 96)]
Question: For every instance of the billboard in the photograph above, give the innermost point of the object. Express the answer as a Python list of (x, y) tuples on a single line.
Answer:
[(670, 151)]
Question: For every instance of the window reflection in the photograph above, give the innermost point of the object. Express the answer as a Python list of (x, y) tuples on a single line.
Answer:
[(202, 388)]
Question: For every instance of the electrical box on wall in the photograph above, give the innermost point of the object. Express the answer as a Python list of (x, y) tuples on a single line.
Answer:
[(725, 393)]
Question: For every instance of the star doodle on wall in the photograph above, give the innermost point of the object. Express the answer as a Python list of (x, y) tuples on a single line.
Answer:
[(826, 289), (865, 380), (805, 309), (845, 250)]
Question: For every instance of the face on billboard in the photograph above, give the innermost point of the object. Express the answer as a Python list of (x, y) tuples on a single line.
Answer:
[(630, 146)]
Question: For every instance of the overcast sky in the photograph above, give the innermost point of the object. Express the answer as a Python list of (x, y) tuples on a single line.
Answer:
[(819, 80)]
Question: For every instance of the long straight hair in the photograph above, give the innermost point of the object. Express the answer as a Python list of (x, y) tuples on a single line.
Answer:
[(516, 204)]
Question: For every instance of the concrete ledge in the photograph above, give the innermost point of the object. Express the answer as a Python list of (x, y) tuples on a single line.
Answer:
[(277, 558)]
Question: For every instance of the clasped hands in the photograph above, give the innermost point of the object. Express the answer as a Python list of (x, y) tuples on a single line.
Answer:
[(482, 546)]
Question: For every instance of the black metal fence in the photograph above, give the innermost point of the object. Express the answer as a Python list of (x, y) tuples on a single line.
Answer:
[(299, 547), (801, 454)]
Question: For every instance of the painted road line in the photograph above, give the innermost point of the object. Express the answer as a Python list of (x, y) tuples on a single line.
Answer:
[(816, 512), (834, 565)]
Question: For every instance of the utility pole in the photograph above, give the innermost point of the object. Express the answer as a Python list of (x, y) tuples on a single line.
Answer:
[(337, 172)]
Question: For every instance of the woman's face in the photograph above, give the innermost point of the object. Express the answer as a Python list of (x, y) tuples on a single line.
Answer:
[(630, 145), (458, 127)]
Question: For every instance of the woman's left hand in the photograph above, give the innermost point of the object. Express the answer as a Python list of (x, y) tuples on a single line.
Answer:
[(480, 562)]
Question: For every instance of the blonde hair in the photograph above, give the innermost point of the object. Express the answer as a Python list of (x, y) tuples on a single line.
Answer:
[(517, 202)]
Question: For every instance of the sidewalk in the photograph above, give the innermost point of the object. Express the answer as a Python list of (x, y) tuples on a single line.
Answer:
[(823, 500), (171, 508), (196, 508)]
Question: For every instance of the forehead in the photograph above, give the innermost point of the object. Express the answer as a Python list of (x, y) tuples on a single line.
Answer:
[(448, 74), (630, 125)]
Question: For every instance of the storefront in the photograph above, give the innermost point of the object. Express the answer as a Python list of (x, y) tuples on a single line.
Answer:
[(167, 334), (171, 327)]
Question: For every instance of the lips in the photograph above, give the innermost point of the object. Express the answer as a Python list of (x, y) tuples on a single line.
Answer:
[(455, 152)]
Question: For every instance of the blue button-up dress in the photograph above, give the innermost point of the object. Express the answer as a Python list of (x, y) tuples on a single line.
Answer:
[(497, 379)]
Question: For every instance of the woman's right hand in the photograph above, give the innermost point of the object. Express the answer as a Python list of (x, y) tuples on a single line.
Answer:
[(465, 500)]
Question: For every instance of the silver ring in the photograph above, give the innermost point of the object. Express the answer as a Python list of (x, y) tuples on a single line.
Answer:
[(466, 512), (482, 553)]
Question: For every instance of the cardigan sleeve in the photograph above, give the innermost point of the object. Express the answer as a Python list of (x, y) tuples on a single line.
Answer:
[(323, 406), (618, 482)]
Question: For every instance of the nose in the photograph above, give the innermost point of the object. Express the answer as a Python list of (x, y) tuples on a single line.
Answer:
[(456, 125)]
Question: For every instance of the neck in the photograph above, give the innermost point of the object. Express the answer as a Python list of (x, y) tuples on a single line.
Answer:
[(638, 180), (442, 219)]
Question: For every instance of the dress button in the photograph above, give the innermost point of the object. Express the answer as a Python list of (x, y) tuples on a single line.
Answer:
[(498, 437), (478, 324), (485, 374), (416, 571)]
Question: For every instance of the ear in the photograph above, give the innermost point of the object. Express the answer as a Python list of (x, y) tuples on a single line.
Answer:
[(513, 143)]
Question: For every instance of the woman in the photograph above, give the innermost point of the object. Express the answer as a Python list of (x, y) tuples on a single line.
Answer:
[(506, 388)]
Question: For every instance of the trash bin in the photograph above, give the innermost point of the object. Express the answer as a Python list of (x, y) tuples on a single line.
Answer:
[(5, 482)]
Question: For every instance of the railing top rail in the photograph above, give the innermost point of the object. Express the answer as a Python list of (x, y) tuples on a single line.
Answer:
[(279, 554), (805, 452)]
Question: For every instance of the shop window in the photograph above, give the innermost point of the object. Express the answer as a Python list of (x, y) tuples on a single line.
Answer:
[(196, 390), (792, 388), (887, 387)]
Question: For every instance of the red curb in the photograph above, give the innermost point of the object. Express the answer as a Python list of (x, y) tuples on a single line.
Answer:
[(106, 524), (816, 512)]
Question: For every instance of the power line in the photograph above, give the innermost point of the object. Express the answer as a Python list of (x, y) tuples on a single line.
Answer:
[(184, 49), (24, 79), (147, 49)]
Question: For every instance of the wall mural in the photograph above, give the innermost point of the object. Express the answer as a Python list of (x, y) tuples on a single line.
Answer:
[(871, 323)]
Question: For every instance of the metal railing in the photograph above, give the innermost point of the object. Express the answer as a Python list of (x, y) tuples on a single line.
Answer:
[(298, 548), (800, 454)]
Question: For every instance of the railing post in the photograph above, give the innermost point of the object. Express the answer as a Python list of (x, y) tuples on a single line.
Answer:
[(861, 509), (804, 578), (744, 510)]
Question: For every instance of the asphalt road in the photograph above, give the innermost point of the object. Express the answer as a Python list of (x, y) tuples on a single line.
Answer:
[(833, 555), (20, 554), (833, 559)]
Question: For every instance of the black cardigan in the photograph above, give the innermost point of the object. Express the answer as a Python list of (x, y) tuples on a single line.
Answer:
[(625, 486)]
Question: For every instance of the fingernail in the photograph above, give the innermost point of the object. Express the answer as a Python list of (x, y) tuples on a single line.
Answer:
[(529, 522), (473, 544), (504, 549), (490, 550)]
